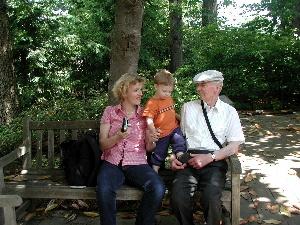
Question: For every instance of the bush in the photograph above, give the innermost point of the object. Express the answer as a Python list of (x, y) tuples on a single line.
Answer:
[(62, 109)]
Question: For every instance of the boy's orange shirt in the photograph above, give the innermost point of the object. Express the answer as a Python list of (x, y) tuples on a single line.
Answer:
[(163, 113)]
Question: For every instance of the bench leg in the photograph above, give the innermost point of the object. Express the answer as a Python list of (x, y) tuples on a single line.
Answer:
[(8, 204), (235, 200), (10, 216)]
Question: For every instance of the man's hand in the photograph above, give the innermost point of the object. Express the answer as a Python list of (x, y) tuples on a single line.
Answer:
[(199, 160), (176, 164)]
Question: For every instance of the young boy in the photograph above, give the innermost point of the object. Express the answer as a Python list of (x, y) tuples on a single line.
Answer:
[(161, 116)]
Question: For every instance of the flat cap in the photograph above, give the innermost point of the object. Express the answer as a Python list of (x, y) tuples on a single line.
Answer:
[(208, 75)]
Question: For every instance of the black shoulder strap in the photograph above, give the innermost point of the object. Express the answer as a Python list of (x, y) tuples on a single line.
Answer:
[(209, 127)]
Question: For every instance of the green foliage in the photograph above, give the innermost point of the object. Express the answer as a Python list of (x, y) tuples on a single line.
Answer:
[(55, 110), (258, 67), (61, 50)]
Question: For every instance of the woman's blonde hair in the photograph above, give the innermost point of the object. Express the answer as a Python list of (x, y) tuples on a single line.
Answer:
[(121, 86)]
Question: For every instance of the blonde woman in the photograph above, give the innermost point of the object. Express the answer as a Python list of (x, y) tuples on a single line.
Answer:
[(124, 154)]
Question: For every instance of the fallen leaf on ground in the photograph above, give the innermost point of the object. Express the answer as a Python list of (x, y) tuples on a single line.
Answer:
[(245, 195), (272, 207), (91, 214), (291, 128), (43, 177), (269, 154), (243, 221), (40, 209), (272, 221), (244, 187), (127, 215), (284, 210), (269, 132), (51, 205), (164, 213), (249, 177), (254, 205), (253, 193), (18, 178), (253, 218), (82, 204), (74, 205), (29, 216), (292, 172), (71, 217), (257, 126), (10, 177)]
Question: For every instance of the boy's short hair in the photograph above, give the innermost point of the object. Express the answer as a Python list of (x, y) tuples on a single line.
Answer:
[(164, 77), (122, 84)]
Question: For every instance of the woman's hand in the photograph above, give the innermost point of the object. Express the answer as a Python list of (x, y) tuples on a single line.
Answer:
[(122, 135)]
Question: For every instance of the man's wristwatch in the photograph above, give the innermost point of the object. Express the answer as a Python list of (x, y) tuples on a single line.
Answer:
[(213, 156)]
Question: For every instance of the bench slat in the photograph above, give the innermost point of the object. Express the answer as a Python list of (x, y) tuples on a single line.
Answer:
[(50, 148), (74, 134), (39, 154), (64, 125), (65, 192)]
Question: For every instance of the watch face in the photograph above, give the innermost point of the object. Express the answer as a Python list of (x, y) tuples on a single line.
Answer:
[(213, 156)]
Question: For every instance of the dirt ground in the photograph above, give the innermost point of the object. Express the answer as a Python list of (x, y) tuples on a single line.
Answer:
[(270, 162)]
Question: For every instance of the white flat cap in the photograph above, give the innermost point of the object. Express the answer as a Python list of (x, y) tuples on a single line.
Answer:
[(208, 75)]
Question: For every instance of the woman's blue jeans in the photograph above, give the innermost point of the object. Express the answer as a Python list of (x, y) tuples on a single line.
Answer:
[(111, 178)]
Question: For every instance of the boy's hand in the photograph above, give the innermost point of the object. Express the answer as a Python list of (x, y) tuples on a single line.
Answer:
[(176, 164), (155, 135)]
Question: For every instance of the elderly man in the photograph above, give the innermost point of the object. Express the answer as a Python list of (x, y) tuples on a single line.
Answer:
[(206, 169)]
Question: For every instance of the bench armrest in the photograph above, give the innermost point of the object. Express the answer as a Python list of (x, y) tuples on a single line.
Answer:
[(10, 200), (12, 156)]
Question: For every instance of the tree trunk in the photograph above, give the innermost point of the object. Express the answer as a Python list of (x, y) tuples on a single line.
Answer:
[(296, 21), (209, 12), (125, 40), (8, 96), (175, 34)]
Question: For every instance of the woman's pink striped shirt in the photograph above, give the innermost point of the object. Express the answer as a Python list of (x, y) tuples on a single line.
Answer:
[(129, 151)]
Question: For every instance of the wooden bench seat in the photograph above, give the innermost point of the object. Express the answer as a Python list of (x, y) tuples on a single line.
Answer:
[(42, 177)]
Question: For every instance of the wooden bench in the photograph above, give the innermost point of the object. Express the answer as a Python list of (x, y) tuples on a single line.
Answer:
[(42, 177)]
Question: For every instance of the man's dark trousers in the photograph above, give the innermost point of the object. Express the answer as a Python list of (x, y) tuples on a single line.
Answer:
[(211, 181)]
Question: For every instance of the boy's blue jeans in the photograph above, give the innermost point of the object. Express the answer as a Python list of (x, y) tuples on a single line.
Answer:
[(177, 141), (111, 178)]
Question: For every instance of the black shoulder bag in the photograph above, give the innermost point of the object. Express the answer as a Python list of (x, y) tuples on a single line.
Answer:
[(209, 127)]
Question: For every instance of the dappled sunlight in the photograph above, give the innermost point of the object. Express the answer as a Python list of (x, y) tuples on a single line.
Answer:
[(270, 161), (279, 176)]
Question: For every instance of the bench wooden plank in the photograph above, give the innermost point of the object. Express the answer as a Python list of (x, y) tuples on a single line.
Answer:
[(27, 163), (50, 149), (74, 134), (62, 136), (39, 154), (64, 125), (12, 156), (67, 192)]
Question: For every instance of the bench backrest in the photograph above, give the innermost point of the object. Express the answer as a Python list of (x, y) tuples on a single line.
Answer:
[(54, 133)]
